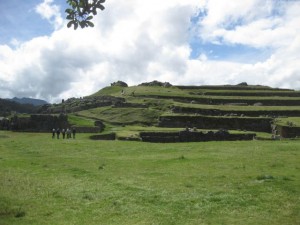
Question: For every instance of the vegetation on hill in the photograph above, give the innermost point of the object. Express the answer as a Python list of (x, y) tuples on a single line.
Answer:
[(149, 103), (8, 106), (31, 101)]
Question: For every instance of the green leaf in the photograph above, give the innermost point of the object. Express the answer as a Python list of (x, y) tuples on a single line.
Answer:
[(82, 3), (89, 23), (101, 7), (75, 25), (70, 17), (70, 11), (89, 18), (82, 24), (73, 3), (70, 24)]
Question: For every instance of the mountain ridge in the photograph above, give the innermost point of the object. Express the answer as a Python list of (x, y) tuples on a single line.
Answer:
[(25, 100)]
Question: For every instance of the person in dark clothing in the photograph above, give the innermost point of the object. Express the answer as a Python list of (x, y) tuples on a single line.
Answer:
[(74, 132), (57, 133), (63, 133), (53, 133)]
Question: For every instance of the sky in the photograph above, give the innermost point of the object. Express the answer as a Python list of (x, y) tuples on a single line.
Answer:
[(190, 42)]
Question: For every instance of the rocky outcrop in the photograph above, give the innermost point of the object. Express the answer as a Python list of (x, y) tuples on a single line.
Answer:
[(119, 83), (156, 83)]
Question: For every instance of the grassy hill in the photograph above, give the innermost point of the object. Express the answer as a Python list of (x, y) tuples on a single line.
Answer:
[(233, 107), (146, 105)]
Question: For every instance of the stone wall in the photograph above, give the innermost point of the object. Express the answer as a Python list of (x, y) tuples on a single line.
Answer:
[(207, 122), (233, 87), (219, 101), (111, 136), (192, 136), (45, 123), (38, 123), (288, 132), (217, 112)]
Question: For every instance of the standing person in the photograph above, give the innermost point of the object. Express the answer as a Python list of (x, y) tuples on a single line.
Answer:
[(74, 132), (57, 133), (63, 133), (68, 133), (53, 133)]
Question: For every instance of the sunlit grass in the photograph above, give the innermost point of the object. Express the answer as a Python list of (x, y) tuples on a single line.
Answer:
[(80, 121), (295, 121), (45, 181)]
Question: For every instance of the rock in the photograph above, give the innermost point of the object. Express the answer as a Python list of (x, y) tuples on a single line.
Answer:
[(156, 83), (243, 84), (119, 83)]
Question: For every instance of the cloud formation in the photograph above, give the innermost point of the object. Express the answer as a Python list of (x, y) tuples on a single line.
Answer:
[(50, 12), (138, 41)]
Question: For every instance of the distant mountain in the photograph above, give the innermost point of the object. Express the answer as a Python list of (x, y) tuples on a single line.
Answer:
[(7, 106), (32, 101)]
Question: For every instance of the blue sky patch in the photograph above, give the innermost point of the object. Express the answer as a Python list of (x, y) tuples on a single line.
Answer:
[(20, 21), (220, 50), (225, 52)]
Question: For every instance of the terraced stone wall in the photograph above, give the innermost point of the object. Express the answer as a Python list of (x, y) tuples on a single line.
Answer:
[(229, 123), (288, 132), (191, 136), (216, 112)]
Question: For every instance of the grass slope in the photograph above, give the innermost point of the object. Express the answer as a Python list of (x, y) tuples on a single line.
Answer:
[(101, 182), (122, 115), (160, 100)]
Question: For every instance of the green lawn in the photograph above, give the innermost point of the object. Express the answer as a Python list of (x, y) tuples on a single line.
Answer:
[(68, 182), (285, 121), (80, 121)]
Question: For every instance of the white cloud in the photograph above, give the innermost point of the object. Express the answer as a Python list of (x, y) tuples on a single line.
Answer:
[(138, 41), (251, 22), (50, 12)]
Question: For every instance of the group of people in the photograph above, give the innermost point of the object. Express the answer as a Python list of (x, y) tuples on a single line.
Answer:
[(70, 133)]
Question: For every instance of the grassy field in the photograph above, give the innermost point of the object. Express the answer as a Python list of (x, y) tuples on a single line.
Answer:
[(67, 182)]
